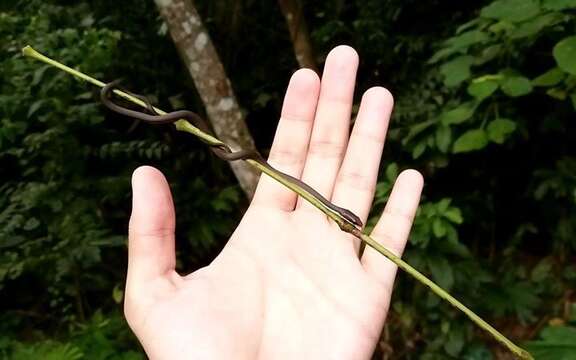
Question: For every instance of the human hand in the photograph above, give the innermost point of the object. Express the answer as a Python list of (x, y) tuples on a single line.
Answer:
[(289, 283)]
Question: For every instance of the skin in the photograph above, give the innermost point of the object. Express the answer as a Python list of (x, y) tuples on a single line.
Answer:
[(289, 283)]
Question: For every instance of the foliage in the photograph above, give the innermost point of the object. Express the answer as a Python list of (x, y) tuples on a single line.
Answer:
[(556, 342), (485, 103), (65, 180), (500, 86), (99, 338)]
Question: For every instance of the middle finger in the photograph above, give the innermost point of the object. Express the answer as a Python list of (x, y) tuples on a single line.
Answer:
[(332, 122)]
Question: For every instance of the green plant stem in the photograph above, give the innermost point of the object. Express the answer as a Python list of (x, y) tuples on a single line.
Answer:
[(183, 125), (521, 353)]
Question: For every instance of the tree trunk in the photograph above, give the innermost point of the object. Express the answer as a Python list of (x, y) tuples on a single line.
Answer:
[(292, 10), (204, 66)]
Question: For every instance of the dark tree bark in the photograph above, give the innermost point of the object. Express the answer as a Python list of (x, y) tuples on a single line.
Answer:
[(205, 68), (292, 10)]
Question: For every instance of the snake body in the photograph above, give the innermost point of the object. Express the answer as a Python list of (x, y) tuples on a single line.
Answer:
[(221, 150)]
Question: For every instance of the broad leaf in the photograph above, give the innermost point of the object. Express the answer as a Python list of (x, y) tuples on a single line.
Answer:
[(556, 93), (442, 54), (558, 4), (455, 342), (499, 129), (501, 27), (557, 343), (482, 89), (36, 105), (392, 172), (454, 215), (477, 352), (467, 25), (443, 205), (117, 294), (516, 86), (416, 130), (457, 70), (418, 150), (565, 54), (467, 39), (471, 140), (511, 10), (489, 54), (443, 138), (441, 271), (438, 227), (534, 26), (549, 78), (457, 115)]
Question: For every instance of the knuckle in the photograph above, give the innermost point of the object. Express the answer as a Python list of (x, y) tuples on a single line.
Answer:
[(286, 158), (392, 243), (356, 180), (400, 214), (326, 149)]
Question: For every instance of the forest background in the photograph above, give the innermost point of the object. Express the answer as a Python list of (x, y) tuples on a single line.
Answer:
[(485, 108)]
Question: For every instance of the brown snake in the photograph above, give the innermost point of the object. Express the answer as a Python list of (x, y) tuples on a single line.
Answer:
[(223, 151)]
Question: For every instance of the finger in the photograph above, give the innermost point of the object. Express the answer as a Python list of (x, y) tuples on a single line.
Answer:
[(356, 181), (290, 144), (393, 228), (151, 231), (332, 121)]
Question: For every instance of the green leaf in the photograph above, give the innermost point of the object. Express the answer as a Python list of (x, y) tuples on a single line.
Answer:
[(522, 299), (441, 271), (454, 215), (499, 129), (542, 271), (557, 94), (392, 172), (438, 227), (443, 138), (418, 150), (471, 140), (443, 205), (489, 54), (36, 105), (501, 27), (557, 342), (457, 115), (467, 39), (468, 25), (511, 10), (534, 26), (441, 54), (558, 4), (565, 54), (573, 98), (117, 294), (515, 86), (455, 342), (549, 78), (482, 89), (457, 70), (39, 74), (31, 224), (416, 130), (477, 352)]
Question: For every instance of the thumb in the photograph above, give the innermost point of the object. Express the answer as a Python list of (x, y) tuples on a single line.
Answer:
[(151, 232)]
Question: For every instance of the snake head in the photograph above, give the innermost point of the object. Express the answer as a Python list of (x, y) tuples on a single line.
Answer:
[(351, 217)]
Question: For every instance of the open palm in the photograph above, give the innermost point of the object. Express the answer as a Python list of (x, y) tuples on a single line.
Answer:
[(289, 284)]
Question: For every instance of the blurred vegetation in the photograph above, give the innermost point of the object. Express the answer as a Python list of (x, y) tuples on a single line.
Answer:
[(485, 108)]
